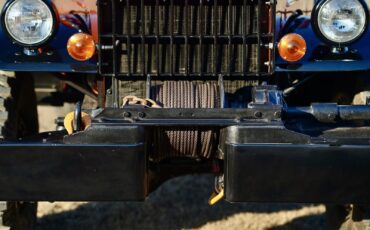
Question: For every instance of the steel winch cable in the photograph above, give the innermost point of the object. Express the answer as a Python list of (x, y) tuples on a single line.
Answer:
[(190, 141)]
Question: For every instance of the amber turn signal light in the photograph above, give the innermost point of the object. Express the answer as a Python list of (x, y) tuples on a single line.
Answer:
[(292, 47), (81, 46)]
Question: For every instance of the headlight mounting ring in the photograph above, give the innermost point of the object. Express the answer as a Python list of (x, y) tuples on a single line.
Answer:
[(319, 33), (55, 23)]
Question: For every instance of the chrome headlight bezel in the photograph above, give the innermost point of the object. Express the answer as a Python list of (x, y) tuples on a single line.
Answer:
[(38, 44), (316, 27)]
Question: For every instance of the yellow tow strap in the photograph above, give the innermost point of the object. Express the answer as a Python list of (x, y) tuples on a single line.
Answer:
[(68, 121), (133, 100)]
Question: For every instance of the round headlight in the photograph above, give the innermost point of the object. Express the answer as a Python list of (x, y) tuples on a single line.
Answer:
[(340, 21), (29, 22)]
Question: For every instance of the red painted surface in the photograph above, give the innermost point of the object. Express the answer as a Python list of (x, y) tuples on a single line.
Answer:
[(85, 8), (65, 6)]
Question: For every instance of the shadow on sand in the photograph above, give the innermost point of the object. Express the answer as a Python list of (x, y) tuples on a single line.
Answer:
[(179, 204)]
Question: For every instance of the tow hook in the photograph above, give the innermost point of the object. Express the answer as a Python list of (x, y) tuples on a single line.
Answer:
[(77, 121), (219, 191), (215, 198)]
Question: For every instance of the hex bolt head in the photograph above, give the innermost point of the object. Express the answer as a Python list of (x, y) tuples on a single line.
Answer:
[(141, 114), (127, 114), (258, 114)]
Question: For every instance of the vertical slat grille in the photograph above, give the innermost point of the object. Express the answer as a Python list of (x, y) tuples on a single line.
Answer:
[(189, 38)]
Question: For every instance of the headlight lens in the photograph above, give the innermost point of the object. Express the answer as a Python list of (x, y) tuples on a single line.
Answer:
[(29, 22), (341, 21)]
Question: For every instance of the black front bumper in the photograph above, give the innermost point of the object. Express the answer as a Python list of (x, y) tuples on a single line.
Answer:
[(265, 160), (274, 164), (298, 173), (46, 172)]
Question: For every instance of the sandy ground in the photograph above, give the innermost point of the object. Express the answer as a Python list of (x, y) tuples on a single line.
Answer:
[(179, 204)]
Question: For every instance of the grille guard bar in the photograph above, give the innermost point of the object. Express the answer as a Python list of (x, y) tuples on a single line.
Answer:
[(141, 38)]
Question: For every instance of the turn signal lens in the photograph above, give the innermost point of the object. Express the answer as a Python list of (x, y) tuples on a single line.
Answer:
[(81, 46), (292, 47)]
